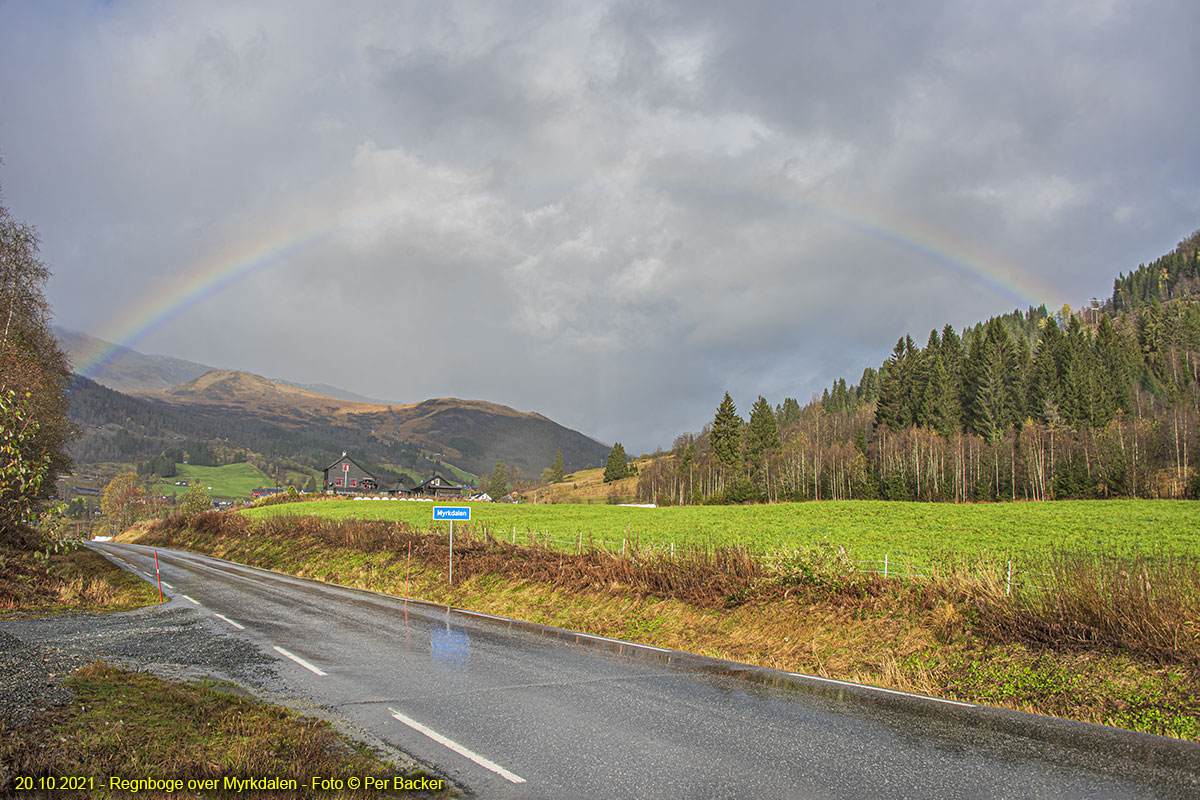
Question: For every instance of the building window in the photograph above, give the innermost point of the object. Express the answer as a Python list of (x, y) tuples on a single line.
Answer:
[(338, 482), (354, 481)]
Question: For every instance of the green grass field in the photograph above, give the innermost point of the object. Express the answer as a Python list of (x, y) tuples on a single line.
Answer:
[(228, 482), (870, 529)]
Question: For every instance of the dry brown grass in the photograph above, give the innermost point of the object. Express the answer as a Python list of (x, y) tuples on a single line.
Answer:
[(74, 580), (585, 486), (133, 725), (1134, 604)]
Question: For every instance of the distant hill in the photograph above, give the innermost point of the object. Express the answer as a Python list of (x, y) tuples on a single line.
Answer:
[(471, 434), (132, 372), (129, 370), (332, 391), (244, 411)]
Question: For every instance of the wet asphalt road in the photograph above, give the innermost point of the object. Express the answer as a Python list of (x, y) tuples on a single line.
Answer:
[(517, 710)]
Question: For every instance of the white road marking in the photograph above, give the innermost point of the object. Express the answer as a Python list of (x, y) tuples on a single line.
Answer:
[(881, 689), (169, 586), (190, 600), (300, 661), (458, 748), (231, 622)]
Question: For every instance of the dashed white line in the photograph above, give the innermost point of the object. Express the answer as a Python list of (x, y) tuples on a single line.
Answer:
[(456, 747), (169, 586), (190, 600), (300, 661), (231, 622), (881, 689)]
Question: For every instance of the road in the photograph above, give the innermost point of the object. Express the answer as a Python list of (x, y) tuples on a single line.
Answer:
[(515, 710)]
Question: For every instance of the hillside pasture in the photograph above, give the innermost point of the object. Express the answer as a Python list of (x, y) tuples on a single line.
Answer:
[(916, 533), (232, 481)]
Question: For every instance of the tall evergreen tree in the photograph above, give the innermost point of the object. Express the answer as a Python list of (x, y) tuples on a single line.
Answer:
[(995, 379), (617, 466), (556, 469), (762, 434), (1044, 384), (498, 485), (788, 413), (726, 435)]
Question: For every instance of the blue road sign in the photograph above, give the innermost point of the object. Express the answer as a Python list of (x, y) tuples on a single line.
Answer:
[(452, 513)]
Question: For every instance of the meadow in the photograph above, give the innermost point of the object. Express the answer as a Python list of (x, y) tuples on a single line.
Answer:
[(913, 532), (228, 482)]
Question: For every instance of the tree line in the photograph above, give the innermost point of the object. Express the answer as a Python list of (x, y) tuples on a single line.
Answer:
[(1031, 405)]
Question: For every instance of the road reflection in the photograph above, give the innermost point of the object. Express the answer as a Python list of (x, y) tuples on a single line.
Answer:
[(448, 645)]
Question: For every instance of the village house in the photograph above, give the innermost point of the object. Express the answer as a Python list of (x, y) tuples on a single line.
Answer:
[(347, 476), (437, 486)]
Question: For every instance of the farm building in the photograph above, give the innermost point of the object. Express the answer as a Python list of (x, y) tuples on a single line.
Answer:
[(347, 476), (437, 486)]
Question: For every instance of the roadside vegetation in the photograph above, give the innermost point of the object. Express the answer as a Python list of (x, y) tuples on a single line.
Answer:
[(132, 725), (1108, 638), (72, 579)]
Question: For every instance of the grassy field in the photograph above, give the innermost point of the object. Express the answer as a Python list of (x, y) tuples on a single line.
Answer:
[(228, 482), (869, 529)]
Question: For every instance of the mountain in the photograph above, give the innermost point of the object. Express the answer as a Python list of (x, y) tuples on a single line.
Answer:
[(471, 434), (128, 370), (246, 390), (241, 411), (332, 391)]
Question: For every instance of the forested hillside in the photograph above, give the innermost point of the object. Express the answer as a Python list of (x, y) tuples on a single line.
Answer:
[(1102, 402), (115, 427)]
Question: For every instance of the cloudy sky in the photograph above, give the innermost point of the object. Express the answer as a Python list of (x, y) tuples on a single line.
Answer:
[(609, 213)]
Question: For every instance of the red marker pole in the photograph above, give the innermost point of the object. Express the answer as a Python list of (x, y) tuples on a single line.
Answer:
[(158, 576), (407, 572)]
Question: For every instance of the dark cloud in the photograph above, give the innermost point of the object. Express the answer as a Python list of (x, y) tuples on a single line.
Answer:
[(608, 213)]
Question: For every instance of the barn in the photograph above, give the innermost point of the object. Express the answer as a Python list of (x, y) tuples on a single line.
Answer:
[(347, 476)]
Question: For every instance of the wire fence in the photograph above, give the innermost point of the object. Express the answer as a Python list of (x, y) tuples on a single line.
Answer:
[(888, 567)]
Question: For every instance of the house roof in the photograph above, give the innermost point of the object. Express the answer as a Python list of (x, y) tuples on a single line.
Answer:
[(436, 481), (352, 461)]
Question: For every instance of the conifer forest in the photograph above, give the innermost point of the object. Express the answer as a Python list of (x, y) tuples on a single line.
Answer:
[(1098, 402)]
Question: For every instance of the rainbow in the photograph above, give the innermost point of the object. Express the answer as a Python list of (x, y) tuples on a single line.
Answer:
[(208, 279), (910, 234), (156, 308)]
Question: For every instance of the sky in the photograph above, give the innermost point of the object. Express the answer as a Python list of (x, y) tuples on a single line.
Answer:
[(609, 213)]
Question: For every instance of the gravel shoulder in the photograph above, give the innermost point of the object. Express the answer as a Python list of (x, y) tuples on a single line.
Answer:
[(173, 641)]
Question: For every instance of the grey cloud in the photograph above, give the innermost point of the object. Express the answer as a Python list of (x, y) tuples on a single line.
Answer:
[(609, 213)]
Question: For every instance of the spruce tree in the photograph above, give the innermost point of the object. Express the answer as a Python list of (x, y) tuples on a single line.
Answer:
[(556, 469), (895, 389), (726, 434), (498, 485), (788, 413), (762, 435), (617, 466)]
